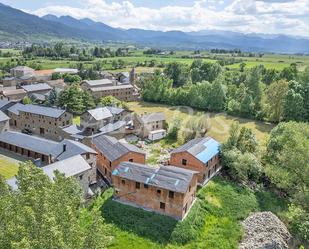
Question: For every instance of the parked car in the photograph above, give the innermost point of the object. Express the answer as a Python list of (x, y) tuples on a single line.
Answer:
[(27, 131)]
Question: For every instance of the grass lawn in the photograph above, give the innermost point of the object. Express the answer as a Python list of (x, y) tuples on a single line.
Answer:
[(7, 167), (213, 221), (76, 120), (219, 123)]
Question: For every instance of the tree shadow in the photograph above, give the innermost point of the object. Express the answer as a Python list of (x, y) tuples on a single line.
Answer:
[(155, 227)]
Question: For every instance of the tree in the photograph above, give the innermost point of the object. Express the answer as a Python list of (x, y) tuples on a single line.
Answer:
[(293, 104), (240, 154), (253, 82), (193, 127), (242, 166), (44, 213), (275, 95), (177, 72), (69, 78), (27, 100), (52, 97), (242, 67), (218, 96), (287, 160), (56, 76), (72, 99)]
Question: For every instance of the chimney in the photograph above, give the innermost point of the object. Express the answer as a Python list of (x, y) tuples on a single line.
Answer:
[(64, 147)]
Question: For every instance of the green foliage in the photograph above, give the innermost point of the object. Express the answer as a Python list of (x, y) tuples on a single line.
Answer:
[(44, 214), (275, 95), (177, 72), (299, 221), (239, 155), (112, 101), (193, 127), (56, 76), (72, 78), (27, 100), (75, 99), (293, 105), (287, 160)]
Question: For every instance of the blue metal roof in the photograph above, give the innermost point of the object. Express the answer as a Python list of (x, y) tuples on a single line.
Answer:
[(211, 148)]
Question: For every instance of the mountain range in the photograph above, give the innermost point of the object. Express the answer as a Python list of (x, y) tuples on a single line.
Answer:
[(18, 25)]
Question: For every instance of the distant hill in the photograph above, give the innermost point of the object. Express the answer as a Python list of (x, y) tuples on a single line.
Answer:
[(18, 25)]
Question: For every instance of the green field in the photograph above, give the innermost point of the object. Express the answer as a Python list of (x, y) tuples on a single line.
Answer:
[(213, 221), (7, 167), (275, 61), (219, 123)]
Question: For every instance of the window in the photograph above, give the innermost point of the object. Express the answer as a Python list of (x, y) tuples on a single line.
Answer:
[(123, 182), (171, 194), (137, 185), (87, 156), (145, 185), (159, 191), (184, 162), (131, 160), (162, 205), (110, 164), (80, 177), (189, 188)]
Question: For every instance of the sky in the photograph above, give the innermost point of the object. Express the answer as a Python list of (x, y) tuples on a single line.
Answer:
[(247, 16)]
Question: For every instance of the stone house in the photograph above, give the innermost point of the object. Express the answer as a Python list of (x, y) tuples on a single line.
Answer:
[(111, 153), (201, 155), (40, 88), (47, 151), (4, 122), (75, 166), (12, 94), (21, 71), (40, 120), (166, 190), (95, 119), (145, 123), (121, 92), (89, 84)]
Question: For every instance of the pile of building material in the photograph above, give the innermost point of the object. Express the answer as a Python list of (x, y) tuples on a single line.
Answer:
[(264, 230)]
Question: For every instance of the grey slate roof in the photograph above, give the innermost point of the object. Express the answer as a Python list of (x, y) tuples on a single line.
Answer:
[(3, 116), (194, 146), (107, 88), (202, 149), (5, 104), (44, 146), (37, 96), (28, 142), (73, 129), (115, 110), (167, 177), (153, 117), (112, 127), (112, 148), (72, 148), (69, 167), (100, 113), (101, 82), (36, 87), (36, 109)]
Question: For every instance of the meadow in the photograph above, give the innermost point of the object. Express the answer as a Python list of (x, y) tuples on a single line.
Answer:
[(219, 123), (270, 61), (8, 168)]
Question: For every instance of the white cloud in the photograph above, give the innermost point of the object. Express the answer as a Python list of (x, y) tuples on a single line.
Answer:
[(264, 16)]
